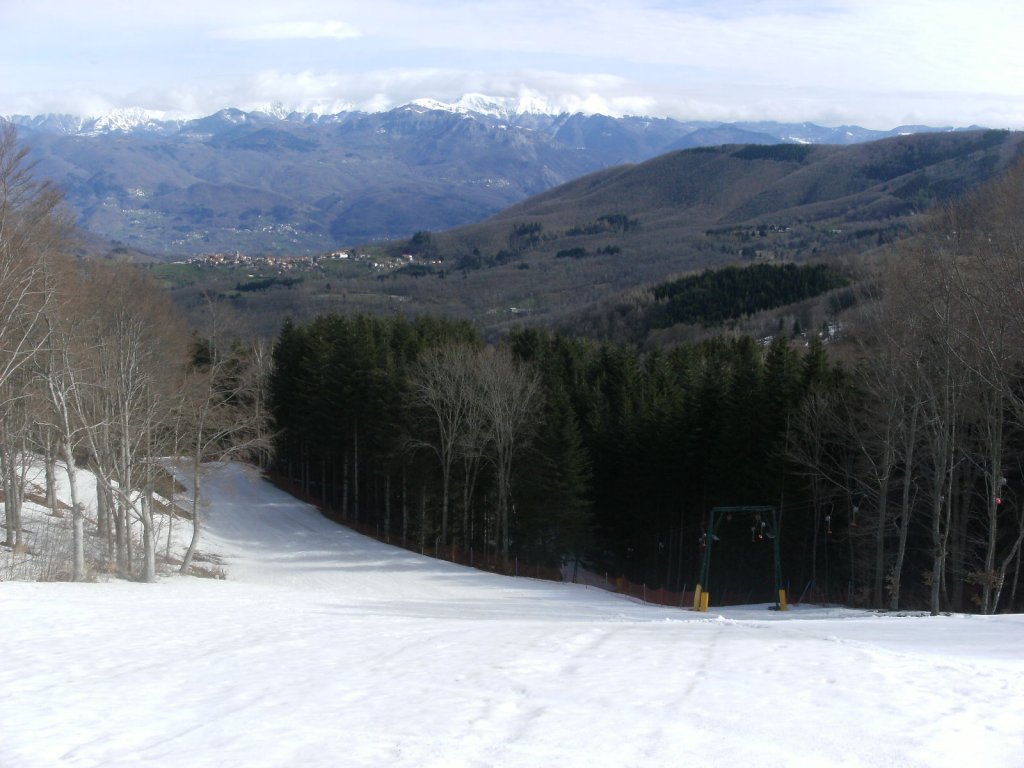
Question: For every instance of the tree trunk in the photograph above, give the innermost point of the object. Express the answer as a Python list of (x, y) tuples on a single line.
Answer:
[(323, 481), (51, 477), (305, 468), (387, 508), (355, 473), (956, 563), (938, 555), (883, 509), (334, 484), (170, 531), (16, 500), (186, 562), (148, 539), (1001, 581), (129, 543), (466, 540), (405, 512), (445, 480), (423, 519), (344, 488), (503, 510), (471, 470), (121, 535), (77, 517), (905, 512), (9, 515), (995, 485), (941, 506), (1016, 566), (103, 517)]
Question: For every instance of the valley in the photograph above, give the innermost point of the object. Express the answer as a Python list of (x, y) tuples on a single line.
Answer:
[(595, 246)]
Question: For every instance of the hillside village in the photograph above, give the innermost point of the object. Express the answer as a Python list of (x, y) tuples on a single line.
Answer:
[(284, 264), (281, 263)]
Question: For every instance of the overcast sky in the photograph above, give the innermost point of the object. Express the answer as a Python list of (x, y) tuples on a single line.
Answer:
[(876, 64)]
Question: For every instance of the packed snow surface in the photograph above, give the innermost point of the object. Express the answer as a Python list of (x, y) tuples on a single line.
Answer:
[(325, 648)]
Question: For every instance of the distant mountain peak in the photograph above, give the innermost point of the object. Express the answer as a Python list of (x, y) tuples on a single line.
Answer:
[(127, 119), (502, 107), (274, 109), (49, 123)]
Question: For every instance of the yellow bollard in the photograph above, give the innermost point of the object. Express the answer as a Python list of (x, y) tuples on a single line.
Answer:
[(704, 600), (782, 600), (696, 598)]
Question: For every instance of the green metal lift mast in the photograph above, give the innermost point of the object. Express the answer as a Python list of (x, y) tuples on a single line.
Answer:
[(766, 521)]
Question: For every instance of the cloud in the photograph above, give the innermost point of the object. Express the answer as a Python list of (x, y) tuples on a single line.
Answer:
[(376, 90), (291, 30), (866, 61), (330, 91)]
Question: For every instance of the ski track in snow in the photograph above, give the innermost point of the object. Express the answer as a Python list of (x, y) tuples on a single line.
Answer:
[(325, 648)]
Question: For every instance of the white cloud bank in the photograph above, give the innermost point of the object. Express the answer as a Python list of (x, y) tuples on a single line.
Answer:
[(879, 64)]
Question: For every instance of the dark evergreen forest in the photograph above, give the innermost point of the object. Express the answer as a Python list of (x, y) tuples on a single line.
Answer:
[(621, 458), (600, 473), (715, 296)]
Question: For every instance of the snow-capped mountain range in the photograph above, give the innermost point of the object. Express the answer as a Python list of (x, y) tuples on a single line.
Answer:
[(139, 119), (473, 105)]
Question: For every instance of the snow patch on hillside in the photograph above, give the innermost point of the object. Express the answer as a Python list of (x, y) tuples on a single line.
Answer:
[(46, 546)]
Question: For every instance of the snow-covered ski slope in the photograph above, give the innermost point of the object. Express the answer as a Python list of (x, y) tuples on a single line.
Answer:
[(324, 648)]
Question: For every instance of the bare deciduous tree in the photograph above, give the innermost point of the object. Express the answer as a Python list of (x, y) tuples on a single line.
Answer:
[(443, 386), (137, 350), (32, 230), (509, 395)]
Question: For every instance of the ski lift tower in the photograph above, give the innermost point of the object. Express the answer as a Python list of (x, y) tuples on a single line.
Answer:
[(765, 526)]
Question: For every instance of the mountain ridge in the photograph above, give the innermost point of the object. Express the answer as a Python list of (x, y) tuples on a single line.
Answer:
[(129, 119), (297, 183)]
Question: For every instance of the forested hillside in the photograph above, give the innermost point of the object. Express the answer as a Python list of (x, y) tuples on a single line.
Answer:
[(763, 300), (895, 464), (709, 205), (554, 259), (98, 370)]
